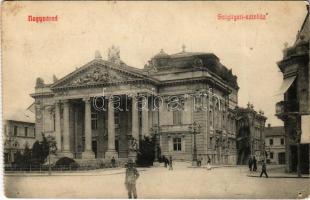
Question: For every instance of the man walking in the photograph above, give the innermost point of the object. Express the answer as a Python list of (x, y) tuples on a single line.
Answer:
[(250, 163), (113, 162), (254, 164), (264, 170), (132, 175)]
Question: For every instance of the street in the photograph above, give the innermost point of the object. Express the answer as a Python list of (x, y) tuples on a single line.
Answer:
[(182, 182)]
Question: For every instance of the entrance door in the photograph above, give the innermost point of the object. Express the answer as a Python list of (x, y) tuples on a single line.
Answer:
[(94, 147), (293, 167), (281, 158)]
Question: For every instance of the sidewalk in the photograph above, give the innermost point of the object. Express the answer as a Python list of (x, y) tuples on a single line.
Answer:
[(278, 175), (96, 172), (276, 171)]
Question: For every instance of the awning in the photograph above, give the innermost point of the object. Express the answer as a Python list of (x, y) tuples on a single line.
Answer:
[(286, 84), (305, 129)]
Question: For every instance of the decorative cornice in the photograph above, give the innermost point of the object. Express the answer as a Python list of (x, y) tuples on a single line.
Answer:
[(144, 81), (46, 94)]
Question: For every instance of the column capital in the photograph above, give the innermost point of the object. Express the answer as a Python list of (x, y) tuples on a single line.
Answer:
[(132, 95), (65, 101), (56, 101), (86, 99)]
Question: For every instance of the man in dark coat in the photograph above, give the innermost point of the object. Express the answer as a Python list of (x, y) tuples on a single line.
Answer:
[(113, 161), (264, 169), (254, 164), (250, 163), (132, 175), (165, 161)]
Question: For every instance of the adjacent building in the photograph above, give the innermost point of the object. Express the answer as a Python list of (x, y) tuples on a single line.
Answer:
[(294, 110), (19, 131), (103, 108), (250, 134), (275, 144)]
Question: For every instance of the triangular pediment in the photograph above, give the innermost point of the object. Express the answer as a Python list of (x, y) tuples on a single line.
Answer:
[(100, 72)]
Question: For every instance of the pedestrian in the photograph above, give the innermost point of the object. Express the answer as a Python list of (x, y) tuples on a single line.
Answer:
[(209, 163), (170, 163), (250, 163), (199, 161), (264, 169), (254, 164), (165, 161), (113, 161), (132, 175)]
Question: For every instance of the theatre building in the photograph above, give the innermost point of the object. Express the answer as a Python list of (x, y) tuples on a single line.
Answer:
[(105, 107)]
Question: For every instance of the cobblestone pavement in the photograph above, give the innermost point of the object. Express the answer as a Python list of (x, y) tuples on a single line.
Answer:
[(182, 182)]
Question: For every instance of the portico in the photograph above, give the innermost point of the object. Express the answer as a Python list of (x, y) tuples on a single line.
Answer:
[(99, 126), (103, 109)]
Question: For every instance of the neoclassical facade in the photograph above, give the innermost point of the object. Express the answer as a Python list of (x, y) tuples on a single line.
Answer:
[(103, 108)]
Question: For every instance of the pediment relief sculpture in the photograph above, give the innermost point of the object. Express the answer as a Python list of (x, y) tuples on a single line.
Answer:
[(98, 75)]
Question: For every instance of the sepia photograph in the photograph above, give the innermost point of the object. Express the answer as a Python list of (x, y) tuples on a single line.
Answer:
[(155, 99)]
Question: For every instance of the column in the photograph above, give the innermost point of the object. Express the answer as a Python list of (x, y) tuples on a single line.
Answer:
[(134, 128), (57, 126), (111, 152), (135, 119), (66, 131), (145, 116), (87, 153)]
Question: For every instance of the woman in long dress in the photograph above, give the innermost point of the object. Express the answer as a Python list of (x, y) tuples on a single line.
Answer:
[(209, 164)]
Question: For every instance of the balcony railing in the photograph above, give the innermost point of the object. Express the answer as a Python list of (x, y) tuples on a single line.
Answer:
[(286, 107)]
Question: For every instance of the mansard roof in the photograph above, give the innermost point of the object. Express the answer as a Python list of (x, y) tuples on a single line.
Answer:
[(274, 131), (192, 61)]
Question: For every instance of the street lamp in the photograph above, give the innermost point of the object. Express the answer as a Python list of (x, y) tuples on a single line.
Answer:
[(194, 129)]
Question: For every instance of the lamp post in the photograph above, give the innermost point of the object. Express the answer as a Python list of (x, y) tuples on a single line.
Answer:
[(194, 129)]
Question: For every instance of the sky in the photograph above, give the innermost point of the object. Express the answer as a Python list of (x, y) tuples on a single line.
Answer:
[(251, 48)]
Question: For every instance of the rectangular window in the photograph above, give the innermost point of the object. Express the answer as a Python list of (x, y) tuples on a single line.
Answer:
[(94, 121), (26, 131), (15, 130), (271, 155), (177, 117), (271, 141), (177, 144), (282, 141)]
